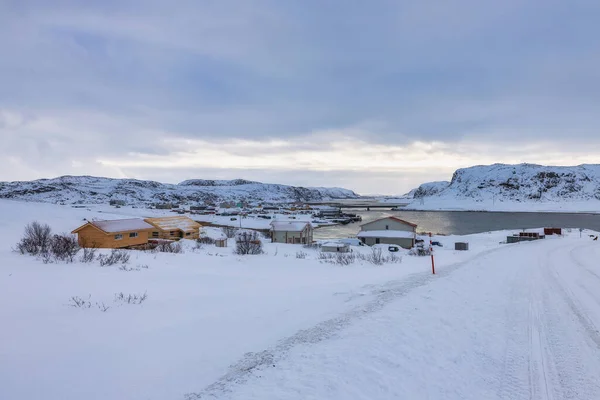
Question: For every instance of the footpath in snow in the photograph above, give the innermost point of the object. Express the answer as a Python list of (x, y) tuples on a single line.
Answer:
[(517, 323)]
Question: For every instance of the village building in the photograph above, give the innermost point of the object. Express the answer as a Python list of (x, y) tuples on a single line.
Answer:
[(174, 228), (295, 232), (113, 234), (389, 230), (335, 247)]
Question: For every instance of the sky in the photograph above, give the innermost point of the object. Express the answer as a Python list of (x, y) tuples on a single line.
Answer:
[(376, 96)]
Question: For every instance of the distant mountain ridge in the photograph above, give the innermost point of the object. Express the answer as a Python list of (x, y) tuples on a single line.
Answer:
[(515, 183), (95, 190)]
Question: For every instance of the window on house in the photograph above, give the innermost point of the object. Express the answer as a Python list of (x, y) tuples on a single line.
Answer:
[(172, 233), (133, 234), (154, 234), (387, 227), (377, 240), (187, 233), (118, 236)]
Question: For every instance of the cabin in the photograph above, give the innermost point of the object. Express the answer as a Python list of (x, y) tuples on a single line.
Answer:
[(389, 230), (335, 247), (113, 234), (293, 232), (174, 228)]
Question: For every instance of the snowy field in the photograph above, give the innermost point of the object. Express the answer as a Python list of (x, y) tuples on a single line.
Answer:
[(497, 322)]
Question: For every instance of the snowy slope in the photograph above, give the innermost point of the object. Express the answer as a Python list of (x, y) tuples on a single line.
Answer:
[(94, 190), (428, 189), (503, 185)]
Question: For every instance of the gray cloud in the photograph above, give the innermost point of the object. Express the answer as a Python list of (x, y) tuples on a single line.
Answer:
[(116, 80)]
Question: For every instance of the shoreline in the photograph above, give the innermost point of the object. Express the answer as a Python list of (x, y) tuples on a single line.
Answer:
[(501, 211)]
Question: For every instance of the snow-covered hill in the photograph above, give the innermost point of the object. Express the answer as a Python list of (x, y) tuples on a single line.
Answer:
[(94, 190), (525, 186), (427, 189)]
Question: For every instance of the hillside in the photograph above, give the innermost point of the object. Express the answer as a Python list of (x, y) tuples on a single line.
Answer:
[(94, 190), (521, 187)]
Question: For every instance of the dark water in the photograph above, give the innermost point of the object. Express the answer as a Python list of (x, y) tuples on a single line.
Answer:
[(466, 222)]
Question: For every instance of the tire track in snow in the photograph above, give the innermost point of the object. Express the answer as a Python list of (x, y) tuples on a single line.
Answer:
[(250, 363), (575, 374)]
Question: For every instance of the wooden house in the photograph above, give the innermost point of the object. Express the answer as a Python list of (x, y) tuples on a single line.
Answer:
[(174, 228), (113, 234)]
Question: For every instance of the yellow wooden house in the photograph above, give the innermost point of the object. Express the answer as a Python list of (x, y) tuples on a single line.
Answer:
[(113, 234), (174, 228)]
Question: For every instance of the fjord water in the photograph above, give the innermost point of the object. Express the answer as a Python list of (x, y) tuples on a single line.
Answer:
[(466, 222)]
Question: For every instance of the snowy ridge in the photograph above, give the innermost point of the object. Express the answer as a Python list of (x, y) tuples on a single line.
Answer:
[(95, 190), (512, 184), (427, 189)]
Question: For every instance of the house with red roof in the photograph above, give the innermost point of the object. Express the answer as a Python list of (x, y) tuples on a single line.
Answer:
[(389, 230)]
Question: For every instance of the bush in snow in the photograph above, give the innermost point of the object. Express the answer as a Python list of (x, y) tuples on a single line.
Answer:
[(36, 239), (89, 255), (130, 298), (169, 247), (229, 231), (337, 258), (377, 257), (248, 242), (301, 255), (64, 247), (205, 240), (115, 257)]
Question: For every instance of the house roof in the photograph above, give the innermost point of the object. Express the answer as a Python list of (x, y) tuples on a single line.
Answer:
[(334, 244), (386, 234), (289, 226), (394, 219), (118, 225), (177, 222)]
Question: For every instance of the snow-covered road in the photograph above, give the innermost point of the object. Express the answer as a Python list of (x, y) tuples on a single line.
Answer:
[(520, 322)]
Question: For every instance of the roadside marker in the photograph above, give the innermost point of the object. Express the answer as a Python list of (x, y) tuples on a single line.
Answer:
[(431, 252)]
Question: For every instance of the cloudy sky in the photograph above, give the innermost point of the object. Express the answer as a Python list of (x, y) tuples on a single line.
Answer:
[(377, 96)]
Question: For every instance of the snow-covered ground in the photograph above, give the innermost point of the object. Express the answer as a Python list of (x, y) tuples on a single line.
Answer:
[(496, 322)]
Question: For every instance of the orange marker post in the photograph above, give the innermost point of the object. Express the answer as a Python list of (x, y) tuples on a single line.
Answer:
[(431, 252)]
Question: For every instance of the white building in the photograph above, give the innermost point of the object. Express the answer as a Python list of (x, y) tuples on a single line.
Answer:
[(294, 232), (389, 230)]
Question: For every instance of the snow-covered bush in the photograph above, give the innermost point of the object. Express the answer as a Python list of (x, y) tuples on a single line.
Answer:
[(169, 247), (64, 247), (36, 239), (337, 258), (88, 255), (229, 231), (115, 257), (378, 257), (205, 240), (248, 242), (301, 255), (130, 298)]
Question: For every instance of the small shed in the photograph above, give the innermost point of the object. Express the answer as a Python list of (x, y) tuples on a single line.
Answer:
[(552, 231), (335, 247)]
